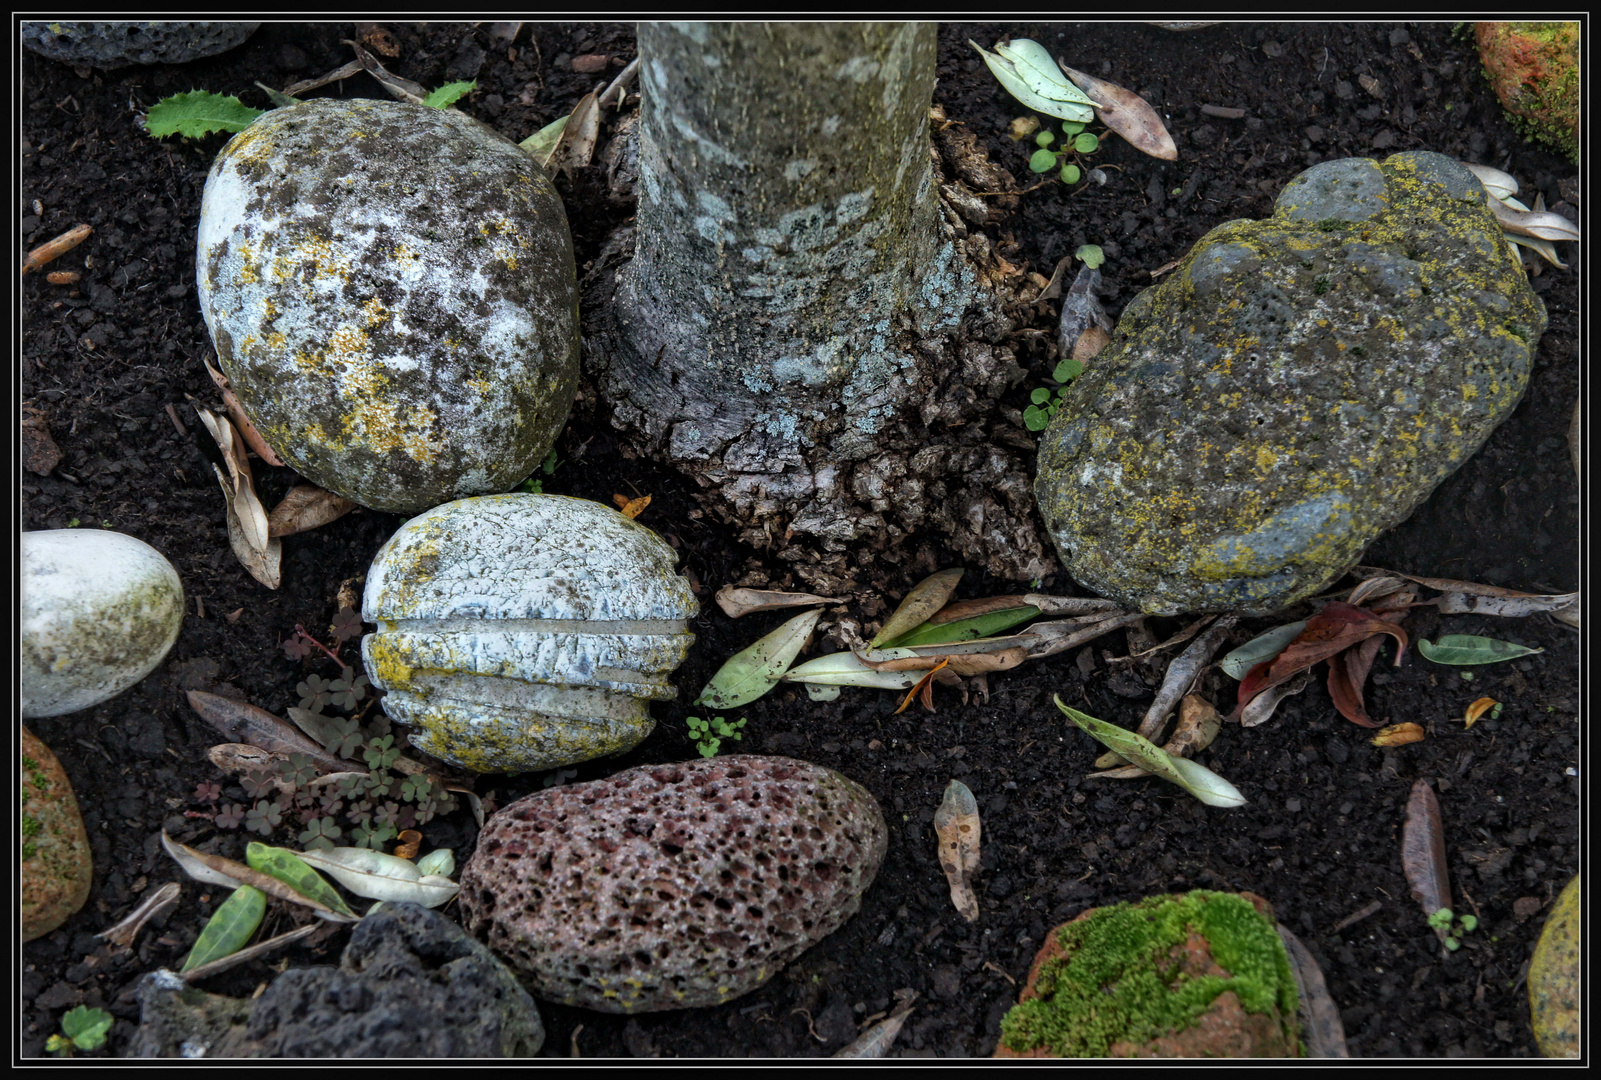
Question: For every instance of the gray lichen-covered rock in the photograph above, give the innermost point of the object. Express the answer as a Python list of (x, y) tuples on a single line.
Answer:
[(524, 632), (672, 886), (410, 984), (1297, 386), (118, 44), (391, 289), (99, 612)]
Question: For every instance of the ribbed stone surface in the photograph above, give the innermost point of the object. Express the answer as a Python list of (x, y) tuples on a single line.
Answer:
[(672, 886), (391, 290), (1294, 388), (523, 632)]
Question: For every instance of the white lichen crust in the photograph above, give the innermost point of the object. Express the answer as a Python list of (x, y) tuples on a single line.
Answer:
[(525, 632), (99, 612), (391, 289)]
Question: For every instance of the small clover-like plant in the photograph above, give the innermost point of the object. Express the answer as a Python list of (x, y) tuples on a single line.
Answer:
[(322, 832), (264, 817), (82, 1028), (1045, 400), (534, 485), (1054, 157), (231, 816), (709, 734), (1453, 927), (381, 753), (346, 624)]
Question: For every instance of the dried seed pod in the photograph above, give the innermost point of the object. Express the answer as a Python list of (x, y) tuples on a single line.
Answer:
[(525, 632)]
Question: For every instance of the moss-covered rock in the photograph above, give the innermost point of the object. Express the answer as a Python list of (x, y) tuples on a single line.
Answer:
[(1534, 68), (56, 863), (391, 289), (524, 632), (1555, 989), (1296, 386), (1203, 974)]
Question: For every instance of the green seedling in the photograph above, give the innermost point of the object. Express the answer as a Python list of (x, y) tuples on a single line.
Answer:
[(1047, 399), (82, 1028), (1445, 921), (709, 734), (534, 485), (1075, 143)]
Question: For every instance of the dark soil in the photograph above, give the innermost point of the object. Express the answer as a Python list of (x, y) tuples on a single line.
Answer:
[(1320, 835)]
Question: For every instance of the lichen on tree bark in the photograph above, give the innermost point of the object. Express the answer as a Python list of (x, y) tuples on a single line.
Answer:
[(797, 328)]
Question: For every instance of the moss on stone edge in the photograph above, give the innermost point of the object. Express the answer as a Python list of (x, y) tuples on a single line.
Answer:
[(1108, 986)]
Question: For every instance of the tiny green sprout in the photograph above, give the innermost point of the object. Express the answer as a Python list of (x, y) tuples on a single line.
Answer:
[(1071, 174), (1086, 143), (1071, 128), (1053, 156), (1044, 138), (73, 524), (1441, 919), (1467, 676), (1042, 161), (709, 734), (1045, 400), (82, 1028), (1177, 191), (1469, 924), (1091, 255)]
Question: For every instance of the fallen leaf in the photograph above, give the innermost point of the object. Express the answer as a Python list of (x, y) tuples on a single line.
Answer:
[(876, 1041), (1024, 68), (1071, 605), (972, 609), (245, 723), (1397, 735), (1263, 647), (229, 929), (241, 493), (125, 932), (847, 669), (923, 600), (410, 841), (1331, 631), (440, 861), (1464, 649), (1321, 1026), (236, 411), (399, 89), (1126, 113), (575, 145), (1513, 217), (1198, 780), (224, 872), (53, 249), (1423, 852), (236, 759), (1265, 704), (590, 63), (755, 670), (1059, 636), (631, 508), (1198, 725), (957, 826), (205, 971), (265, 564), (1478, 709), (542, 143), (1181, 675), (339, 74), (1496, 182), (378, 876), (284, 865), (306, 507), (924, 689), (1373, 588), (1090, 343), (737, 602), (976, 627)]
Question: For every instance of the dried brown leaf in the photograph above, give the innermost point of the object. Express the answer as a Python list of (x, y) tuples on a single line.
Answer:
[(1198, 725), (410, 841), (241, 419), (1478, 709), (1331, 631), (399, 89), (1423, 852), (576, 146), (378, 39), (923, 690), (123, 934), (1181, 675), (1397, 735), (236, 759), (969, 609), (1055, 637), (1126, 113), (1265, 704), (1071, 605), (339, 74), (306, 507), (1321, 1026), (924, 599), (957, 826), (1089, 344), (737, 602), (266, 564), (876, 1041), (631, 508), (245, 723), (1373, 588)]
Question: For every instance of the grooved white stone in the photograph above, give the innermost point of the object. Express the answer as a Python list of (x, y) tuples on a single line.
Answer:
[(524, 632), (99, 612)]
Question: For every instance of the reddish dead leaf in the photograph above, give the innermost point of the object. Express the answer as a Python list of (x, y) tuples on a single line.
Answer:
[(631, 508), (1331, 631), (54, 249), (1398, 735), (1126, 113), (1348, 671), (410, 841), (924, 690), (306, 507), (1423, 852), (590, 63)]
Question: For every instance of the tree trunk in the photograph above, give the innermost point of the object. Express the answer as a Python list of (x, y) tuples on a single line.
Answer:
[(797, 328)]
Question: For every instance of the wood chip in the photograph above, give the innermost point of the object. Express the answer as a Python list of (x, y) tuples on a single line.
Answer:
[(1223, 112), (54, 249)]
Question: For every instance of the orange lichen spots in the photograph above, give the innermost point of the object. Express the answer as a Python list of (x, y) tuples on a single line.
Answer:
[(481, 384)]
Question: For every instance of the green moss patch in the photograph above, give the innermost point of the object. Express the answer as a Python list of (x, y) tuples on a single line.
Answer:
[(1117, 978)]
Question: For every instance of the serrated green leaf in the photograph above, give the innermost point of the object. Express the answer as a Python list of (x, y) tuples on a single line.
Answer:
[(971, 629), (198, 113), (1260, 649), (753, 671), (289, 868), (1198, 780), (86, 1027), (1468, 649), (449, 94), (1091, 255), (230, 927)]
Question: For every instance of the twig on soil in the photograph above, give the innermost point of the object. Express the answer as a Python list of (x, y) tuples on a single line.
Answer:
[(1357, 916), (619, 85), (54, 249), (234, 959)]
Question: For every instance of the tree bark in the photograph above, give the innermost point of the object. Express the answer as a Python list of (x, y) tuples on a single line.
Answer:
[(798, 328)]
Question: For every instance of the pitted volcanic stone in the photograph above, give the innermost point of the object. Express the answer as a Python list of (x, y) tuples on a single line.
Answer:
[(391, 289), (1294, 388), (118, 44), (672, 886), (410, 984), (525, 632), (57, 865)]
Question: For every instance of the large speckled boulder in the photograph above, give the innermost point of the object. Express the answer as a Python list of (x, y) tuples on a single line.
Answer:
[(99, 612), (391, 289), (118, 44), (672, 886), (56, 863), (524, 632), (1297, 386)]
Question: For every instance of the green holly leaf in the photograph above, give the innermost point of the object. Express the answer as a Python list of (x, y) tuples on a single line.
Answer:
[(198, 113), (449, 94)]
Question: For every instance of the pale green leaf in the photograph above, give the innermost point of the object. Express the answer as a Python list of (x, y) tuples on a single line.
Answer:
[(1468, 649), (86, 1027), (1198, 780), (198, 113), (291, 869), (924, 599), (1261, 648), (279, 99), (822, 691), (846, 669), (752, 672), (542, 142), (378, 876), (230, 927), (1091, 255), (449, 94), (1059, 98), (440, 862)]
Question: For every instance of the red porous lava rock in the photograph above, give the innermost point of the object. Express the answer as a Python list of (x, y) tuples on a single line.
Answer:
[(672, 886), (1534, 68), (56, 864)]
